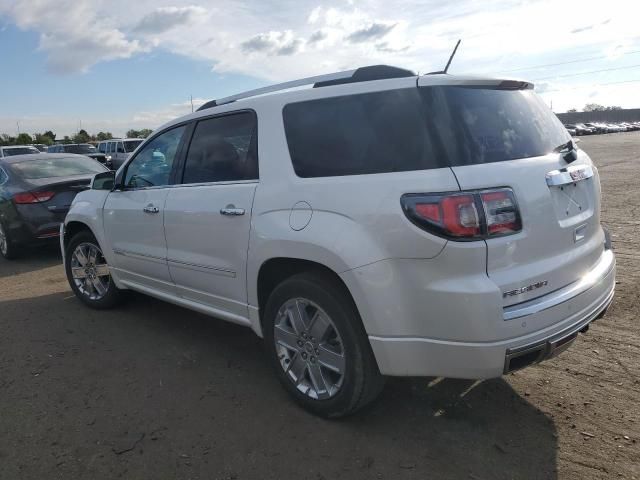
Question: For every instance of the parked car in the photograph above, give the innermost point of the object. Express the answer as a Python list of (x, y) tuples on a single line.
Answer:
[(9, 151), (584, 130), (119, 149), (596, 127), (85, 149), (36, 191), (571, 129), (378, 224)]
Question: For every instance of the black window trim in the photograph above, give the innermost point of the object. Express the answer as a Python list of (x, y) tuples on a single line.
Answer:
[(122, 173), (183, 158)]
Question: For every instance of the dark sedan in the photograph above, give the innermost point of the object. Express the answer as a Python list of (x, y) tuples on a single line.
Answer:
[(81, 149), (36, 192)]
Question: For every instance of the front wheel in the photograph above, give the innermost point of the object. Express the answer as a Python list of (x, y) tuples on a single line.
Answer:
[(8, 249), (88, 273), (318, 346)]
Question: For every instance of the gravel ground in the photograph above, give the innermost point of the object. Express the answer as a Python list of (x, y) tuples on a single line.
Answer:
[(155, 391)]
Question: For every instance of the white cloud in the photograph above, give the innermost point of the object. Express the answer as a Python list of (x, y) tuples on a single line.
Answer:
[(72, 33), (164, 19), (282, 40)]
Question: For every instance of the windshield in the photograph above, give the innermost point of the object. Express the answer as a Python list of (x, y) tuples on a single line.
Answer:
[(19, 151), (81, 148), (131, 145), (56, 167)]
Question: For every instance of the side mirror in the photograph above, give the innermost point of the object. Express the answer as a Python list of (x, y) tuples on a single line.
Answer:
[(104, 181)]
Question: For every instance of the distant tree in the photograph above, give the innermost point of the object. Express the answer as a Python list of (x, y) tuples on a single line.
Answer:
[(144, 133), (66, 139), (6, 139), (24, 139), (613, 107), (101, 136), (593, 107), (43, 138), (81, 137), (572, 110), (50, 134)]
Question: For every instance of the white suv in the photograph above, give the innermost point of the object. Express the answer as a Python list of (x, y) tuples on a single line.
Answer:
[(380, 223)]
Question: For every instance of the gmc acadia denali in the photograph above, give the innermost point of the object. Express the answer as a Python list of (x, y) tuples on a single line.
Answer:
[(378, 223)]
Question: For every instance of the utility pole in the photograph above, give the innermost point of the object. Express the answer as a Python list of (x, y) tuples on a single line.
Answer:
[(191, 96)]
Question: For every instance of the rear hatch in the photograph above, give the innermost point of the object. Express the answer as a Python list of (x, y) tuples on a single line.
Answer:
[(503, 135)]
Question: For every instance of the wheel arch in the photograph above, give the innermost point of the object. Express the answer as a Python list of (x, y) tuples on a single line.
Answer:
[(72, 228), (275, 270)]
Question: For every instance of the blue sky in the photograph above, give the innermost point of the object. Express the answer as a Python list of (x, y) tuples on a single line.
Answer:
[(115, 65)]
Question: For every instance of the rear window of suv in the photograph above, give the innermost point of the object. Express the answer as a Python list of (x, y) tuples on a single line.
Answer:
[(418, 129)]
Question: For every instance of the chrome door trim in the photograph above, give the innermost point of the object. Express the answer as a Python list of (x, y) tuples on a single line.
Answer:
[(571, 174), (225, 272), (140, 256)]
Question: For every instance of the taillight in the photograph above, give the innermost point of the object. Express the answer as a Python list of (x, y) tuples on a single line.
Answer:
[(33, 197), (501, 212), (464, 216)]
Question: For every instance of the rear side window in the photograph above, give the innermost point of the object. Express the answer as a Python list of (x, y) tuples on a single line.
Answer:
[(359, 134), (418, 129), (223, 149)]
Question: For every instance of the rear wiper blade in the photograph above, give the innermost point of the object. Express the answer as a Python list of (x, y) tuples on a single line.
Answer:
[(568, 150), (565, 147)]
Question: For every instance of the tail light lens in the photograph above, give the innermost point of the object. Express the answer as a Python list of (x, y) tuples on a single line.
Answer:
[(501, 212), (32, 197), (465, 216)]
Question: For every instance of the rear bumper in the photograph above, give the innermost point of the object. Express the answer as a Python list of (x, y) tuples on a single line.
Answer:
[(571, 309)]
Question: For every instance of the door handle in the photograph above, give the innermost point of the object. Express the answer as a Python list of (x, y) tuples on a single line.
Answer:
[(150, 209), (231, 210)]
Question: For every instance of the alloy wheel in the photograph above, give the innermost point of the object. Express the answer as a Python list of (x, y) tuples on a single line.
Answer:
[(309, 348), (90, 271)]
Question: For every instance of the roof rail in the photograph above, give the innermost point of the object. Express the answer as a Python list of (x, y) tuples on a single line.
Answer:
[(363, 74)]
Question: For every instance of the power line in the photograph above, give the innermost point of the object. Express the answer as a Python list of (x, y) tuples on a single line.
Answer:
[(587, 73), (592, 85), (534, 67)]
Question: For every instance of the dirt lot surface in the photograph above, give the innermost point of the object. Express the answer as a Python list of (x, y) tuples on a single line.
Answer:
[(154, 391)]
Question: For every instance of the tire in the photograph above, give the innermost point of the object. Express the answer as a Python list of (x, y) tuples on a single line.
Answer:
[(335, 374), (95, 288), (8, 249)]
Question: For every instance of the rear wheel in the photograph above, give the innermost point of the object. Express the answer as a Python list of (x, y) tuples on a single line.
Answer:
[(88, 272), (318, 347), (7, 248)]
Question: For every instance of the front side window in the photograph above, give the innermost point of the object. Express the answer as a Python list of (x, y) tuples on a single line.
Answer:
[(110, 146), (120, 148), (223, 150), (151, 167)]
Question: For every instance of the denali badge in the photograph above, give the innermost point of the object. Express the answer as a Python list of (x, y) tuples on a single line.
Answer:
[(528, 288)]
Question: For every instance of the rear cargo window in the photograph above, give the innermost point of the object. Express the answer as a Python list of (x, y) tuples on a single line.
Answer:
[(418, 129)]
